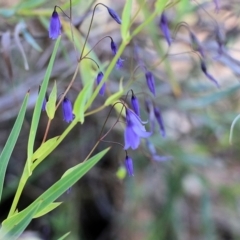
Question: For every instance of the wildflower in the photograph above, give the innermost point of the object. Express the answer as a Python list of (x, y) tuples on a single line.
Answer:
[(67, 110), (134, 130), (114, 15), (210, 77), (129, 166), (150, 81), (163, 24), (119, 63), (98, 80), (135, 105), (158, 116), (55, 25), (113, 47)]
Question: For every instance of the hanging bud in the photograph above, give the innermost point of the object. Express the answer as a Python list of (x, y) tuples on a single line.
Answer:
[(158, 116), (113, 47), (196, 45), (55, 26), (67, 110), (150, 82), (135, 105), (114, 15), (129, 166), (98, 80), (210, 77), (163, 24)]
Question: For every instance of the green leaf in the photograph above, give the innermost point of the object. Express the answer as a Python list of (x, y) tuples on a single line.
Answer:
[(38, 107), (55, 191), (79, 105), (113, 98), (126, 18), (47, 209), (64, 236), (45, 147), (8, 148), (16, 224), (30, 4), (51, 103)]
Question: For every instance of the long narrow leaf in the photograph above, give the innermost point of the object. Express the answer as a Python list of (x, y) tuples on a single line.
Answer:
[(38, 107), (8, 148), (56, 190)]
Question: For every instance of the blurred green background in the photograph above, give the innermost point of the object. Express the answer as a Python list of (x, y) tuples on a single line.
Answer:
[(195, 195)]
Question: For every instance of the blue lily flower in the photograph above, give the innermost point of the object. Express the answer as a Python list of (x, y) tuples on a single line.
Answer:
[(134, 130), (55, 26), (67, 110)]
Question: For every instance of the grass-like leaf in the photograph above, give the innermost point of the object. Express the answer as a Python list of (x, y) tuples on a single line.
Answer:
[(8, 148)]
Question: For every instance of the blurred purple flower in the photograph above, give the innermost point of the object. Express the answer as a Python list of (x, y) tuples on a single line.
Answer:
[(163, 24), (210, 77), (67, 110), (119, 63), (150, 82), (135, 105), (129, 166), (217, 7), (55, 26), (113, 47), (134, 130), (114, 15), (158, 116), (98, 80)]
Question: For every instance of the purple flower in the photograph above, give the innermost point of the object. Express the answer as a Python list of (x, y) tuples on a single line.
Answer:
[(158, 116), (210, 77), (98, 80), (113, 47), (163, 24), (134, 130), (129, 166), (44, 104), (119, 63), (135, 105), (150, 81), (114, 15), (67, 110), (55, 25)]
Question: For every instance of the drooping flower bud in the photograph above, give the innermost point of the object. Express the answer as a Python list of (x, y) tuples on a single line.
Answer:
[(129, 166), (113, 47), (98, 80), (67, 110), (210, 77), (135, 105), (158, 116), (150, 82), (163, 24), (54, 26), (114, 15)]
